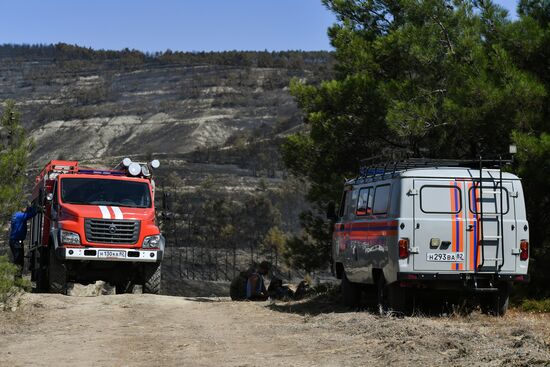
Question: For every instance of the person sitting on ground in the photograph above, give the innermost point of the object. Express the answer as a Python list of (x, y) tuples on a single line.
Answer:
[(255, 285), (249, 284), (277, 290)]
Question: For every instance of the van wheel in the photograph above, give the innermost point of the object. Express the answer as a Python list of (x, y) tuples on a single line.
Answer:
[(392, 299), (57, 274), (496, 304), (151, 278), (351, 292)]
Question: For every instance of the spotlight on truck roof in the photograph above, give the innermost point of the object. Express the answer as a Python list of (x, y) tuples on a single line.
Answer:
[(134, 169), (155, 163), (126, 162), (145, 170)]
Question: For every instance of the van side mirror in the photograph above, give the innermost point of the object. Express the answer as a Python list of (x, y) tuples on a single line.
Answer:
[(331, 211)]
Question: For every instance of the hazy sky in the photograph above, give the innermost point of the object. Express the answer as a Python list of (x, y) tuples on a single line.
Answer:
[(186, 25)]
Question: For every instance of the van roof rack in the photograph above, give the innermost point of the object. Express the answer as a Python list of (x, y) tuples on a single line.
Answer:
[(372, 167)]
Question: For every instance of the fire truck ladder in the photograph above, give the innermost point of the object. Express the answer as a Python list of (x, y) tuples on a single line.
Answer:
[(497, 189)]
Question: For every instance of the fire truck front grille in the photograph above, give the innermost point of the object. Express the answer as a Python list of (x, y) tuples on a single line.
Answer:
[(112, 231)]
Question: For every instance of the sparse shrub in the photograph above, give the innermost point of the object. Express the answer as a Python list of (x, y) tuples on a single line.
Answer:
[(532, 305), (10, 283)]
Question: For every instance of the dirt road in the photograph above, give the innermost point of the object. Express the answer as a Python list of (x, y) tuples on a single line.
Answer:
[(147, 330)]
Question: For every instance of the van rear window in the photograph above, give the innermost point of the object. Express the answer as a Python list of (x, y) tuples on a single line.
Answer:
[(436, 199), (490, 200)]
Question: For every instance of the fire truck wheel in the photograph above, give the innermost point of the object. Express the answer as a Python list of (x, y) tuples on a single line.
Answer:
[(351, 292), (124, 287), (496, 304), (151, 278), (41, 271), (57, 275)]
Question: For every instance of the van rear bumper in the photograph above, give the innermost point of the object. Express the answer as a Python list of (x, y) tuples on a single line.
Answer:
[(466, 277)]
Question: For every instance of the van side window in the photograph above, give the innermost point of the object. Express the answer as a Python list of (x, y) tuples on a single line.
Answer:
[(342, 208), (364, 203), (440, 199), (381, 199), (352, 204)]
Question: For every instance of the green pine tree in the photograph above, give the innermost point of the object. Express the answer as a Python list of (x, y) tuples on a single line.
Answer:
[(15, 146)]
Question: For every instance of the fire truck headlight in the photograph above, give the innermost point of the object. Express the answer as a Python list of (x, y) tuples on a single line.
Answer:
[(151, 241), (69, 238)]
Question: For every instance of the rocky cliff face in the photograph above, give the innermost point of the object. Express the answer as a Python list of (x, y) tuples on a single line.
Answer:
[(156, 109)]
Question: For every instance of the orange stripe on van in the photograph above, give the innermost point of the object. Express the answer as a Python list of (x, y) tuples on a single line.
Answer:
[(472, 232), (460, 227), (478, 220), (453, 222)]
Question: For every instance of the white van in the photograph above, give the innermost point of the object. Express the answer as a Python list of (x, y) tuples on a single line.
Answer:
[(432, 225)]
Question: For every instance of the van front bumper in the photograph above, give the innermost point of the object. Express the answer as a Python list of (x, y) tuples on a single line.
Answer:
[(109, 254)]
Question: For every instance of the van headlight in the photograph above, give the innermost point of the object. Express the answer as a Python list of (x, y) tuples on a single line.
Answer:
[(151, 241), (69, 238)]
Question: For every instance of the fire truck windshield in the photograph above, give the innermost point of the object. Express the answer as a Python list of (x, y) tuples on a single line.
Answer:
[(93, 191)]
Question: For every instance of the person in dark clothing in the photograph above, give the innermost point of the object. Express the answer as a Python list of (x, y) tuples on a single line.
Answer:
[(18, 233), (255, 286), (249, 285)]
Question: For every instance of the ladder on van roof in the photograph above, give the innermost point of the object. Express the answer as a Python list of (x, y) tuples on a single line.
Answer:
[(497, 189)]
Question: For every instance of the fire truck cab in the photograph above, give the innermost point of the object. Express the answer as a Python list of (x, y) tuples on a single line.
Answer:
[(426, 225), (95, 225)]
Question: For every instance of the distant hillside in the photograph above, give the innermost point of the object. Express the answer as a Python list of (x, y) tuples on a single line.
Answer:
[(84, 104)]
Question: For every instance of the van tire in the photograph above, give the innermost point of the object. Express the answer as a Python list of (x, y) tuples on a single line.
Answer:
[(392, 299), (57, 274), (152, 276), (351, 292), (496, 304)]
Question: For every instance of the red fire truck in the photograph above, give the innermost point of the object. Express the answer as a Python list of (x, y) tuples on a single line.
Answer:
[(95, 225)]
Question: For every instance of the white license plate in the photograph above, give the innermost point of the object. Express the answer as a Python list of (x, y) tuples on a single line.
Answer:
[(108, 254), (445, 256)]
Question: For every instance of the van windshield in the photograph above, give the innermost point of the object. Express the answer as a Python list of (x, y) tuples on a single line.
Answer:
[(93, 191)]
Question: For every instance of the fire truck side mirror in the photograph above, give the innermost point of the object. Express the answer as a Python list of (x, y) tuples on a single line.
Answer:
[(331, 210), (49, 196)]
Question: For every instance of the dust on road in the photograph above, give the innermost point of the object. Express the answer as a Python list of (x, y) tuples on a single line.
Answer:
[(149, 330)]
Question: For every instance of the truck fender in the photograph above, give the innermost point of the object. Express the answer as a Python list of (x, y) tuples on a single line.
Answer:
[(53, 243)]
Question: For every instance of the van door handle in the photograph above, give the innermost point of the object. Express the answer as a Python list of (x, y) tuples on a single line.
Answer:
[(470, 227)]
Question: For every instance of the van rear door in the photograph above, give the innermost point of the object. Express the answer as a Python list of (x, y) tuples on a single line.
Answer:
[(439, 225), (492, 236)]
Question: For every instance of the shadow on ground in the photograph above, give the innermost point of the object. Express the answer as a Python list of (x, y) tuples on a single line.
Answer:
[(332, 303)]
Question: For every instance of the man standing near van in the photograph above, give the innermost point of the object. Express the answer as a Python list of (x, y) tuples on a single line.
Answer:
[(18, 233)]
